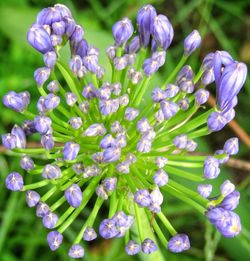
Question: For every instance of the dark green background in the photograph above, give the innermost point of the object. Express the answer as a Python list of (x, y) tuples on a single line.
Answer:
[(223, 25)]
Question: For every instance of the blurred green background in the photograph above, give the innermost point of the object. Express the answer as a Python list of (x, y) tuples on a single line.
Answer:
[(223, 24)]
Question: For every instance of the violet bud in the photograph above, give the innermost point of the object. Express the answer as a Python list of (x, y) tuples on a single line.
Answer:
[(20, 136), (41, 75), (89, 234), (201, 96), (73, 195), (110, 184), (58, 28), (71, 98), (32, 198), (205, 190), (49, 59), (211, 168), (50, 220), (178, 243), (42, 209), (216, 121), (169, 108), (47, 141), (51, 172), (14, 181), (171, 90), (132, 248), (160, 178), (142, 198), (53, 86), (148, 246), (9, 141), (70, 150), (96, 129), (54, 239), (131, 114), (51, 101), (75, 122), (42, 124), (231, 146), (192, 42), (107, 229), (76, 251), (27, 163), (226, 188), (77, 34)]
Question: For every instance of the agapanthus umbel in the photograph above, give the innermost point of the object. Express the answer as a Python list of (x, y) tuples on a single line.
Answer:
[(101, 141)]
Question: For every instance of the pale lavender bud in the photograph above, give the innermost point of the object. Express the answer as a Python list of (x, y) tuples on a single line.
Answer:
[(180, 141), (42, 124), (161, 161), (148, 246), (63, 9), (77, 34), (143, 125), (103, 93), (160, 178), (108, 229), (50, 220), (108, 106), (48, 16), (39, 39), (160, 57), (58, 28), (142, 198), (159, 116), (9, 141), (123, 167), (32, 198), (71, 98), (150, 66), (98, 157), (116, 127), (171, 90), (201, 96), (54, 239), (107, 141), (132, 248), (226, 188), (95, 129), (231, 201), (70, 150), (130, 158), (131, 113), (51, 101), (69, 26), (122, 31), (89, 91), (89, 234), (211, 168), (205, 190), (75, 122), (42, 209), (51, 172), (110, 184), (26, 163), (73, 195), (231, 146), (84, 106), (169, 109), (56, 39), (28, 127), (191, 145), (124, 100), (111, 52), (185, 74), (53, 86), (91, 62), (162, 31), (76, 251), (216, 121), (41, 75), (20, 136), (14, 181), (158, 95), (16, 101), (144, 145), (120, 63), (134, 45), (78, 168), (49, 59), (75, 64), (178, 243), (187, 86), (47, 141), (101, 192), (192, 42), (111, 154), (116, 88), (183, 104)]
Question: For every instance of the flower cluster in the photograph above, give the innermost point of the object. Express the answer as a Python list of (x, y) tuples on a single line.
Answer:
[(102, 140)]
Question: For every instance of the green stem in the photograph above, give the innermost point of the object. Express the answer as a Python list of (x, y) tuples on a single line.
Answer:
[(138, 221), (36, 185), (166, 223)]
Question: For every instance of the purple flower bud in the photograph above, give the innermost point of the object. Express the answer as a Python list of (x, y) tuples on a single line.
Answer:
[(95, 129), (160, 57), (77, 34), (185, 74), (120, 63), (161, 161), (150, 66), (122, 31), (9, 141), (70, 150), (135, 77), (207, 76), (14, 181), (130, 158), (192, 42), (50, 220), (216, 121), (132, 248), (111, 154), (134, 45), (186, 86), (91, 62), (191, 145), (75, 64), (231, 146), (56, 39), (201, 96), (32, 198), (53, 86), (171, 90), (205, 190), (28, 127), (120, 218), (27, 163), (123, 100), (78, 168), (79, 48), (58, 28), (211, 168), (180, 141), (84, 106), (144, 145), (70, 25), (145, 20), (156, 196), (39, 39), (108, 106), (183, 104), (110, 184), (71, 98), (20, 136), (143, 125), (142, 198), (131, 114), (41, 75), (169, 108), (111, 52), (101, 192), (91, 171), (220, 152), (107, 141), (178, 243), (229, 83), (42, 209), (73, 195), (231, 201), (63, 9), (148, 246), (98, 157), (47, 141), (51, 101), (108, 229), (54, 239), (48, 16), (50, 59), (89, 91), (42, 124), (226, 188), (123, 167), (51, 172), (75, 122), (158, 94), (16, 101), (76, 251), (162, 31), (160, 178), (89, 234), (103, 93), (116, 127)]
